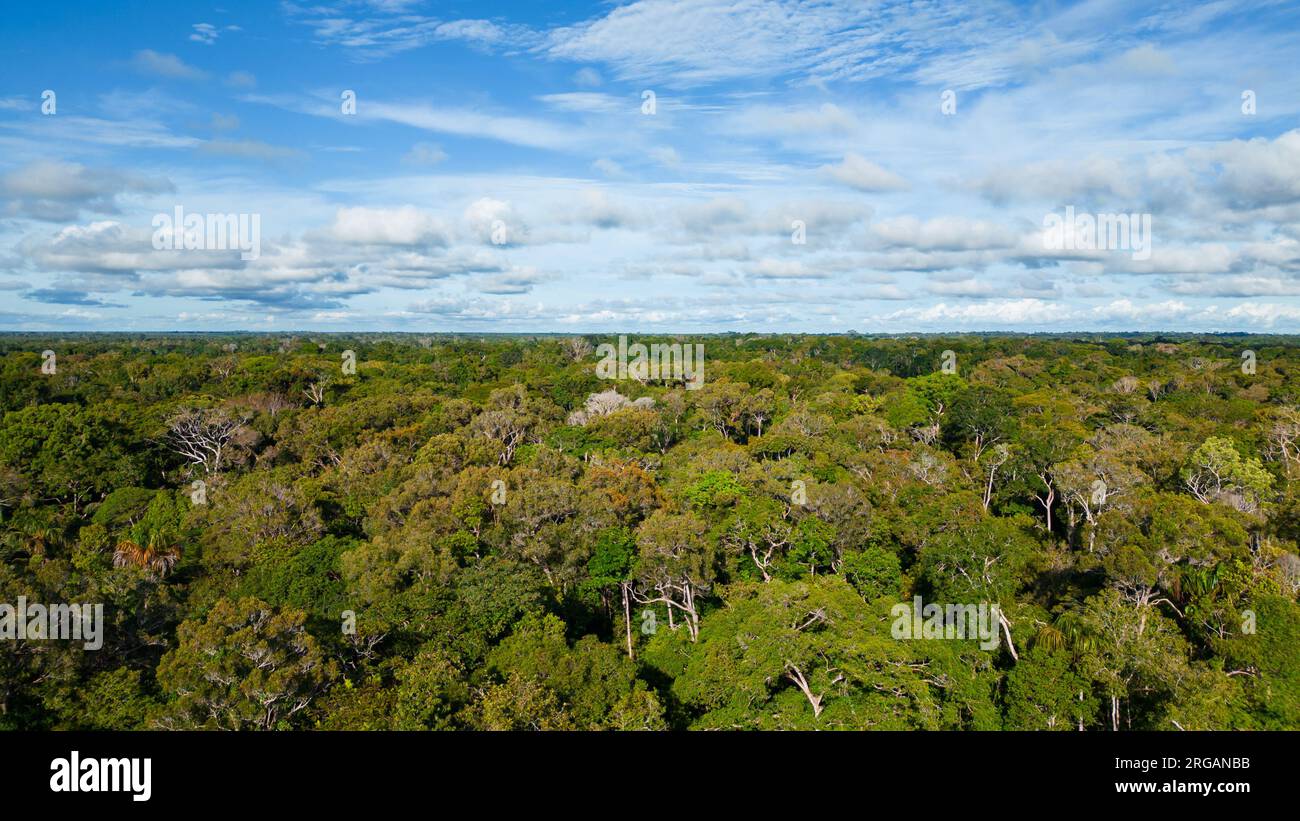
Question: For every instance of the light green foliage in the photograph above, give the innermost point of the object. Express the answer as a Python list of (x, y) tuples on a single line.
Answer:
[(984, 562), (717, 488), (938, 390), (591, 683), (905, 408), (812, 545), (812, 654), (1217, 470), (245, 666)]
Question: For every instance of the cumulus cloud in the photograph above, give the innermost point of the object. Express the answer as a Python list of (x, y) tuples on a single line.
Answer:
[(598, 209), (518, 281), (985, 314), (223, 122), (1061, 181), (1257, 172), (495, 222), (60, 191), (858, 172), (943, 233), (704, 217), (769, 268), (388, 226)]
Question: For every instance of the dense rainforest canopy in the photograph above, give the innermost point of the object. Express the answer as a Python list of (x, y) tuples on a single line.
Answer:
[(383, 531)]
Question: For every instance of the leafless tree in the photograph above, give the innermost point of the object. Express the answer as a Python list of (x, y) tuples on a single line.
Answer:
[(315, 392), (577, 348), (1284, 438), (605, 403), (503, 426), (997, 457), (1125, 385), (270, 403), (203, 435), (926, 434), (224, 366)]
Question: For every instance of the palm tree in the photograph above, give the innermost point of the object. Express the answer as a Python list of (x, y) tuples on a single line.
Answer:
[(42, 537), (1069, 632), (1072, 635), (158, 556)]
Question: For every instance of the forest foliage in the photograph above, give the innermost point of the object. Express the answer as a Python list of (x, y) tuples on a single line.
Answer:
[(477, 532)]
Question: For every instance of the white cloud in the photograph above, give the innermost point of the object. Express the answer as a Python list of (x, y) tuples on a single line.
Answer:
[(666, 156), (681, 42), (463, 122), (586, 101), (858, 172), (495, 222), (395, 28), (207, 34), (986, 314), (60, 191), (943, 233), (587, 77), (169, 66), (825, 119), (1146, 59), (769, 268), (388, 226), (609, 168), (1256, 172), (424, 154), (1062, 181)]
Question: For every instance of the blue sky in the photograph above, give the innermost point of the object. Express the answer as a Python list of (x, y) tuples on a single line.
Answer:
[(501, 171)]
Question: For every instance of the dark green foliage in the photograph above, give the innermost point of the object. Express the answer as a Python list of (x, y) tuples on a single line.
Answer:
[(873, 572)]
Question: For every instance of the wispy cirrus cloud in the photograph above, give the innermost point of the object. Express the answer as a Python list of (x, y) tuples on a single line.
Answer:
[(374, 31)]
